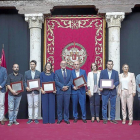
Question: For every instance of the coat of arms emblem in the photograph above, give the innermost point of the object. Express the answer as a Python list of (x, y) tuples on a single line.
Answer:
[(73, 52)]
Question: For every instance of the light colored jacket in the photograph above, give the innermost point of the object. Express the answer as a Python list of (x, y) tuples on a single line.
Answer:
[(137, 84), (90, 81), (131, 83)]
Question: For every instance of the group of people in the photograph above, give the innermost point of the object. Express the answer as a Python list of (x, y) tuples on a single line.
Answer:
[(65, 89)]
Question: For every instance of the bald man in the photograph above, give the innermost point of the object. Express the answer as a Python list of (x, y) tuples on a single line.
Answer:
[(14, 97), (63, 81), (79, 94)]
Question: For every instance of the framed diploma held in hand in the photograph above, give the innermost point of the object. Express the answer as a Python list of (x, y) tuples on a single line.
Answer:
[(34, 84), (17, 86), (48, 87), (106, 83), (79, 81)]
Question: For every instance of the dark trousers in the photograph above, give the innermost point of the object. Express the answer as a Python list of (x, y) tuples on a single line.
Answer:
[(63, 101), (95, 105), (105, 99), (48, 107), (81, 98)]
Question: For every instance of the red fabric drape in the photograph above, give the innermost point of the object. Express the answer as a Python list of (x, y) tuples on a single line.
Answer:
[(75, 38), (3, 64)]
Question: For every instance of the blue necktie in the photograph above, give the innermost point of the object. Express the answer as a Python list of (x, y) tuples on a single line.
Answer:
[(64, 75)]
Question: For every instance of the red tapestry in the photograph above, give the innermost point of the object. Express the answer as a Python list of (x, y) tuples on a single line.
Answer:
[(74, 38)]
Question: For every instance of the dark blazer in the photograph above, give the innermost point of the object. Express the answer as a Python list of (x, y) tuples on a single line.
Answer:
[(59, 81), (114, 76), (3, 79), (82, 89), (27, 76)]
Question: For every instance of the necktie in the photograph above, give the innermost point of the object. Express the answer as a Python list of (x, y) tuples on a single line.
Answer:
[(64, 75)]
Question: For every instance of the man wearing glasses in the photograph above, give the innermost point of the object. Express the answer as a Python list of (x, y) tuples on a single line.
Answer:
[(63, 81)]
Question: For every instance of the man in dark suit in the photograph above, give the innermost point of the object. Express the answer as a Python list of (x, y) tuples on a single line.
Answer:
[(79, 94), (3, 78), (63, 81), (32, 95), (109, 73)]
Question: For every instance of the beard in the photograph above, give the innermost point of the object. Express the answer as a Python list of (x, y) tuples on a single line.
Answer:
[(15, 71)]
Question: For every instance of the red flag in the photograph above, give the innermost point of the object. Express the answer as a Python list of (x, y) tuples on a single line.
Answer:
[(3, 64)]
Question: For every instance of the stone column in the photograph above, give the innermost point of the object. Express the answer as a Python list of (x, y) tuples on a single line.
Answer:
[(35, 25), (114, 24)]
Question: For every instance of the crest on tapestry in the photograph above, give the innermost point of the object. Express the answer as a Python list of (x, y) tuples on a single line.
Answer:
[(73, 52)]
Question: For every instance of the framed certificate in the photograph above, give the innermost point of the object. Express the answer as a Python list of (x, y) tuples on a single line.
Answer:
[(79, 81), (17, 86), (48, 87), (106, 83), (34, 84)]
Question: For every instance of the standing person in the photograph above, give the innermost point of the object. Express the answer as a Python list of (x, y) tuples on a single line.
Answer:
[(138, 90), (79, 94), (32, 95), (127, 91), (48, 99), (3, 78), (109, 73), (63, 81), (14, 97), (93, 92)]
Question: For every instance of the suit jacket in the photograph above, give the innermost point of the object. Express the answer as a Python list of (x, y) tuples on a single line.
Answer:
[(28, 76), (82, 89), (59, 81), (3, 79), (114, 76), (131, 83), (90, 81)]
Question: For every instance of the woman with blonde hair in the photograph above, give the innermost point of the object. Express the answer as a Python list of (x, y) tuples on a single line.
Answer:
[(126, 91), (93, 92)]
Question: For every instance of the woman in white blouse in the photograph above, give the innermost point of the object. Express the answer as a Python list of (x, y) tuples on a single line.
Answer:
[(93, 92), (126, 91)]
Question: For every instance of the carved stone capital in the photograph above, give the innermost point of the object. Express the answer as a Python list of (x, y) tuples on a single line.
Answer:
[(35, 20), (114, 19)]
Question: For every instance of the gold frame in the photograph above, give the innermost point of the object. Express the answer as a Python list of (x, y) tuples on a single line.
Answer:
[(79, 16)]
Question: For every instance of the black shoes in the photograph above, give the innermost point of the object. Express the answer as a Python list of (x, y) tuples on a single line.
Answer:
[(104, 121), (113, 121), (67, 122), (58, 122), (75, 120), (84, 121)]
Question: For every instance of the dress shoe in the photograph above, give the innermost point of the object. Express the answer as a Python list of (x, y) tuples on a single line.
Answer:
[(75, 120), (104, 121), (84, 121), (58, 122), (67, 122), (2, 123), (113, 121)]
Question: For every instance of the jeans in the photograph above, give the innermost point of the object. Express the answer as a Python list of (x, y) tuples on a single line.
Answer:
[(2, 108), (13, 107), (105, 99), (81, 98), (33, 100), (95, 105)]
